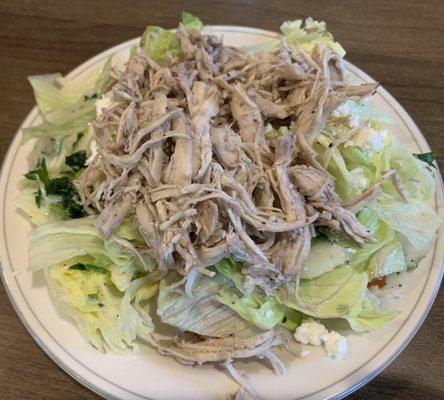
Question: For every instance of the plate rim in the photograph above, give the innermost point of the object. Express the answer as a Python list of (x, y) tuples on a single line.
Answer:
[(333, 393)]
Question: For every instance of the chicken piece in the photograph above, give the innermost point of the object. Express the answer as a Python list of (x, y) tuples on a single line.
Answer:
[(205, 350), (206, 219), (113, 215), (204, 107), (180, 167)]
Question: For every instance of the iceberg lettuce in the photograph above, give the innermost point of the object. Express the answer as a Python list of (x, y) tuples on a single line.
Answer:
[(334, 294), (202, 313), (341, 293), (109, 319), (66, 107), (388, 260), (299, 35), (415, 221), (262, 311), (369, 315), (306, 36), (324, 256), (58, 242), (159, 43), (96, 282), (190, 21)]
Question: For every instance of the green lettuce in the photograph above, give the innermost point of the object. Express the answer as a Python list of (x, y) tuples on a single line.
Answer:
[(388, 260), (369, 316), (324, 256), (416, 222), (108, 318), (61, 241), (191, 22), (306, 36), (415, 174), (262, 311), (345, 185), (340, 293), (300, 35), (201, 313), (66, 107), (233, 270), (159, 43), (98, 283), (251, 303), (334, 294)]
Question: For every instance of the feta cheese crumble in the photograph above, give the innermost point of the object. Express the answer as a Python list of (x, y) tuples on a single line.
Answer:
[(335, 344), (310, 332), (316, 334)]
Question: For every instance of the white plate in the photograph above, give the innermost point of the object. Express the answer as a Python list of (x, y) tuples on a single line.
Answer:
[(147, 375)]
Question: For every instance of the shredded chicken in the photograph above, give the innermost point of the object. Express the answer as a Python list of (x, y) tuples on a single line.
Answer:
[(183, 151)]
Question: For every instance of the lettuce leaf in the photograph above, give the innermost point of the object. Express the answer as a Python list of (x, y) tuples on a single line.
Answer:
[(341, 293), (323, 257), (306, 36), (415, 221), (262, 311), (106, 317), (66, 107), (159, 43), (345, 184), (191, 22), (61, 241), (233, 270), (96, 282), (202, 313), (369, 316), (334, 294), (388, 260), (380, 230), (299, 35)]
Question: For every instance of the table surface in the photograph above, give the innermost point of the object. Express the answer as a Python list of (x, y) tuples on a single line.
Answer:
[(399, 43)]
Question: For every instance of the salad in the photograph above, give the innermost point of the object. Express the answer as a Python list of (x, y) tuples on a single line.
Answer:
[(240, 196)]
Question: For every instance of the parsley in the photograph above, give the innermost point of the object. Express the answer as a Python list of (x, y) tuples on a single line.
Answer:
[(428, 158), (31, 176), (76, 160), (38, 197), (40, 172), (93, 296), (62, 187), (88, 267), (93, 96)]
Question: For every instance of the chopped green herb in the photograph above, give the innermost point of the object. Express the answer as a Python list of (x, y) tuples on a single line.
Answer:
[(31, 176), (76, 160), (62, 187), (93, 96), (88, 267), (38, 197), (93, 296), (428, 158), (40, 172)]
